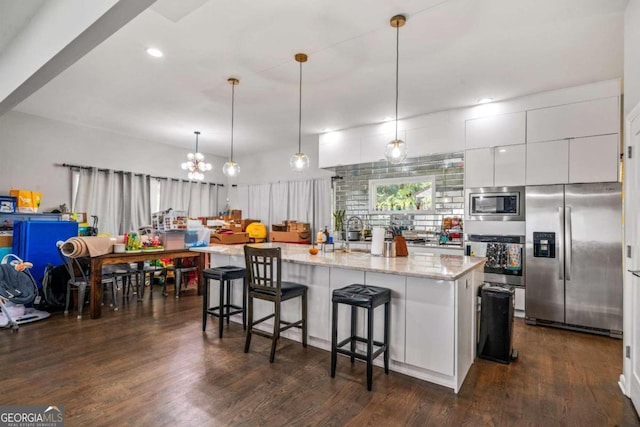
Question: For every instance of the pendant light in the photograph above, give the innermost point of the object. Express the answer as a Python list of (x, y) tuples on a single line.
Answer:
[(232, 168), (299, 161), (396, 150), (195, 163)]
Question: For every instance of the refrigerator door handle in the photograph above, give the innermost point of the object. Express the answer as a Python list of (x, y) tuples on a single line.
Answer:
[(560, 243), (568, 241)]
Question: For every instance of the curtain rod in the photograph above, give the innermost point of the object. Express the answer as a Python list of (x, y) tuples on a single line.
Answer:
[(67, 165)]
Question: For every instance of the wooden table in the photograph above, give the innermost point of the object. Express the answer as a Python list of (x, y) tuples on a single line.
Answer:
[(99, 261)]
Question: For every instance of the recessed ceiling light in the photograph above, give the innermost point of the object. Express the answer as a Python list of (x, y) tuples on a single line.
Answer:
[(326, 130), (387, 119), (485, 100), (156, 53)]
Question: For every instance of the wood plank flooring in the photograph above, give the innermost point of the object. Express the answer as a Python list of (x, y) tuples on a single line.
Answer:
[(150, 364)]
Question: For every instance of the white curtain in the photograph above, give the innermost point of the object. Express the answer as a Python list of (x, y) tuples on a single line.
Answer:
[(279, 203), (119, 201), (136, 210), (175, 194), (322, 203), (301, 200), (238, 198), (260, 203), (304, 201)]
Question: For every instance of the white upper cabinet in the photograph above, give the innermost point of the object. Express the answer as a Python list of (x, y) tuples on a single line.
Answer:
[(495, 166), (509, 165), (588, 118), (594, 159), (478, 168), (548, 162), (440, 136), (333, 150), (372, 146), (504, 129)]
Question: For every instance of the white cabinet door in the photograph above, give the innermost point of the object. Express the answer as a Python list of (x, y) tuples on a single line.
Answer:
[(548, 162), (430, 330), (504, 129), (334, 150), (595, 117), (372, 146), (318, 299), (510, 165), (440, 136), (397, 284), (478, 168), (594, 159)]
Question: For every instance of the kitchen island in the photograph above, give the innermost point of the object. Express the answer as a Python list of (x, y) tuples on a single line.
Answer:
[(433, 303)]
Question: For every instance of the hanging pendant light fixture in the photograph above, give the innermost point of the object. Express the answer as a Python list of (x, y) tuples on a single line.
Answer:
[(232, 168), (299, 161), (396, 150), (195, 163)]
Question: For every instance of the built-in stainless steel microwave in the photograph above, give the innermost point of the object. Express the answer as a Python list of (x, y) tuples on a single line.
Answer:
[(495, 204)]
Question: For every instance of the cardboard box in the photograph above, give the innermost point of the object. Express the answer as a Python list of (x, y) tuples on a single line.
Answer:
[(229, 239), (236, 214), (290, 237), (245, 222), (6, 241), (278, 227), (27, 201), (299, 226)]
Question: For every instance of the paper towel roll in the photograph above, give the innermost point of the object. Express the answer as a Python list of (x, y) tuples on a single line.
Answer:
[(377, 241)]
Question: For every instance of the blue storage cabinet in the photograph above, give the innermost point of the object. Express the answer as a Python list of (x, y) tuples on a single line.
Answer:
[(35, 241)]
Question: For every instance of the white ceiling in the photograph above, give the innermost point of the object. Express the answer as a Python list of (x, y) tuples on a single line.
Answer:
[(452, 53)]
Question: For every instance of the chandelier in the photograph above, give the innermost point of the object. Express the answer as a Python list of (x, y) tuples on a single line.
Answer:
[(299, 161), (195, 163), (396, 150)]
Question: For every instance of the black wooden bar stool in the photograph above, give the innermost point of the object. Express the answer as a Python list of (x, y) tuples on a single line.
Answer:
[(368, 297), (226, 275)]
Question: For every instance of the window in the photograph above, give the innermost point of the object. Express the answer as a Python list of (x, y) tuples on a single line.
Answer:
[(402, 195)]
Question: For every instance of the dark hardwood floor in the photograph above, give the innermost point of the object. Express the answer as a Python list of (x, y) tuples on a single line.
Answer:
[(150, 364)]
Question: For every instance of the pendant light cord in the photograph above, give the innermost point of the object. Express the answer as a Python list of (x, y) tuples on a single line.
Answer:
[(233, 97), (197, 133), (300, 114), (397, 67)]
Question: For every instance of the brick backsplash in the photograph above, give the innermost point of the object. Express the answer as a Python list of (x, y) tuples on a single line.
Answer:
[(352, 191)]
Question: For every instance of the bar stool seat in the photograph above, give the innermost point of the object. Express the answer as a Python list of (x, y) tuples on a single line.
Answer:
[(225, 274), (367, 297)]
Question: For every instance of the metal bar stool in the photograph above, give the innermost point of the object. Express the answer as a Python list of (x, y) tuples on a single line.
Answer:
[(225, 275), (367, 297)]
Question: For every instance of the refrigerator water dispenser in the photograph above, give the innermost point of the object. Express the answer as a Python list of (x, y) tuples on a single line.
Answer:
[(544, 245)]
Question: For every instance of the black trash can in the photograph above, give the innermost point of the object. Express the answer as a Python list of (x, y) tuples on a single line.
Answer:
[(496, 323)]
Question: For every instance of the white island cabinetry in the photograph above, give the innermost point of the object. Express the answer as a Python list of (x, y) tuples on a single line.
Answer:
[(432, 304)]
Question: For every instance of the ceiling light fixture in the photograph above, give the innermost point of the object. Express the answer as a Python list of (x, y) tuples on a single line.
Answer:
[(396, 150), (485, 100), (299, 161), (195, 163), (231, 168), (156, 53)]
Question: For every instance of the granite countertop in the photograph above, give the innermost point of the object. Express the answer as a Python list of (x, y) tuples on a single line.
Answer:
[(427, 265)]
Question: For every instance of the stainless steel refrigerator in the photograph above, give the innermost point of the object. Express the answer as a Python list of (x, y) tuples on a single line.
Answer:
[(573, 274)]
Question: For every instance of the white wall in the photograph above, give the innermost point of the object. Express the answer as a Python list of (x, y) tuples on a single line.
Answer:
[(31, 146), (273, 165), (631, 55)]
